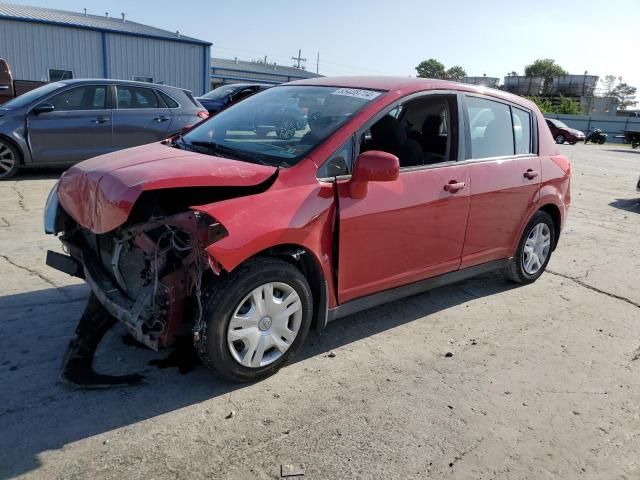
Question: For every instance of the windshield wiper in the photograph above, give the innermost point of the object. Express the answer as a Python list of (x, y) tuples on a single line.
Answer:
[(226, 151)]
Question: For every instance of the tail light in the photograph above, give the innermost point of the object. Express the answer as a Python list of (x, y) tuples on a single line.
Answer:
[(203, 114)]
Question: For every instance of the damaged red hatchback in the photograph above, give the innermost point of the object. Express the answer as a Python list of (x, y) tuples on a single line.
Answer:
[(245, 241)]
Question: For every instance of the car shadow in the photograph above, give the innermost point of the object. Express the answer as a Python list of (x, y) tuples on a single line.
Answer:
[(38, 413), (628, 204), (626, 150)]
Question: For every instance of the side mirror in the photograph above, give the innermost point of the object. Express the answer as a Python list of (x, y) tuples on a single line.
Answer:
[(372, 166), (43, 108)]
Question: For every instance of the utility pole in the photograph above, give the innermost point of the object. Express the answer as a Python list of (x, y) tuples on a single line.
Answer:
[(318, 64), (299, 58)]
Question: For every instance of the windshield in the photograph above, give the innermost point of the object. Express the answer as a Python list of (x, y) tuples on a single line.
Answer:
[(32, 95), (220, 93), (559, 124), (279, 126)]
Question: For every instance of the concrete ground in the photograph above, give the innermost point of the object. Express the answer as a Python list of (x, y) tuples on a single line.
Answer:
[(543, 381)]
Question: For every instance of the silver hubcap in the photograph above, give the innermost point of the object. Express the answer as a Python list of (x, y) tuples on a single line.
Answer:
[(536, 248), (7, 159), (559, 139), (287, 129), (264, 325)]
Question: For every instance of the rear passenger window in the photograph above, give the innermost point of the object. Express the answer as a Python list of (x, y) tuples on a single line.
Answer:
[(521, 130), (134, 97), (168, 101), (490, 128)]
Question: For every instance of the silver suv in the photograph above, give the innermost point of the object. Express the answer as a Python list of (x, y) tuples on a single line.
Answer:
[(65, 122)]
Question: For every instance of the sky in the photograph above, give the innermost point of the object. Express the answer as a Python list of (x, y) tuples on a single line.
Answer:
[(386, 37)]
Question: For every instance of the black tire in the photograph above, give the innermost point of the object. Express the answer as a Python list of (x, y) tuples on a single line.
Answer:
[(515, 271), (602, 141), (572, 143), (262, 131), (221, 300), (9, 160), (560, 139)]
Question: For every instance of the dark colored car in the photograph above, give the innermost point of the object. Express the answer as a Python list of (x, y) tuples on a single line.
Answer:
[(395, 186), (563, 133), (283, 119), (64, 122), (226, 95)]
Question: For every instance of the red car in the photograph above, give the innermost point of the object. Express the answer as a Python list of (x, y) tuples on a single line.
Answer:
[(246, 242), (563, 133)]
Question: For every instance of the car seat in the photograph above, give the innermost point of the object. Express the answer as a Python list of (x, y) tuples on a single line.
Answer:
[(388, 135)]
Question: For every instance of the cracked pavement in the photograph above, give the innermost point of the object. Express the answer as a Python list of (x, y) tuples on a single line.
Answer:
[(542, 381)]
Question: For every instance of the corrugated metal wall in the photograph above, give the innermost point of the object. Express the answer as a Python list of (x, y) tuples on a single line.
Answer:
[(171, 63), (32, 49)]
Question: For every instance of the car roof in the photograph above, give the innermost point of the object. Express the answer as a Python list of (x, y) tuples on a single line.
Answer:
[(409, 85), (111, 81)]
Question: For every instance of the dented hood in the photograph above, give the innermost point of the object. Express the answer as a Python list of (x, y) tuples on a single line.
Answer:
[(100, 193)]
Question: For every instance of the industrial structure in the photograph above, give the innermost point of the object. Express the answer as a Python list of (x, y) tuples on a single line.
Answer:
[(225, 71), (43, 44), (579, 88)]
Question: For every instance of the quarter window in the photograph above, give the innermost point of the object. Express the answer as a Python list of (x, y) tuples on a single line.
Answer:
[(136, 97), (339, 163), (521, 130), (490, 128), (90, 97), (168, 101), (55, 75)]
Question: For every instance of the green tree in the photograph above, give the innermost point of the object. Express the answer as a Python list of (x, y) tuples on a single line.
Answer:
[(625, 94), (456, 73), (608, 83), (544, 104), (546, 68), (566, 105), (431, 68)]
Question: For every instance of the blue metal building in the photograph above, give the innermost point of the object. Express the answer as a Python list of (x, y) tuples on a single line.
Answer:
[(46, 45)]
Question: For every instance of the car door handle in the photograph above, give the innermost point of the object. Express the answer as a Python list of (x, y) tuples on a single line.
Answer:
[(100, 120), (453, 186), (530, 174), (161, 119)]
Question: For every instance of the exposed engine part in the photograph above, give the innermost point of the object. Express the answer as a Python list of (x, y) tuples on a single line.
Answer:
[(77, 364), (148, 275)]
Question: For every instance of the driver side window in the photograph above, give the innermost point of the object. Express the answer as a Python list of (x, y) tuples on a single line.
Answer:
[(90, 97)]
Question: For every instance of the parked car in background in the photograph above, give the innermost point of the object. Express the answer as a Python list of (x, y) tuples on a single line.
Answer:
[(563, 133), (397, 185), (11, 88), (64, 122), (226, 95)]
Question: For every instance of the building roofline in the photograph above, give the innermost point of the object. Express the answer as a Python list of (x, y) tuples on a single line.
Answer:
[(189, 40)]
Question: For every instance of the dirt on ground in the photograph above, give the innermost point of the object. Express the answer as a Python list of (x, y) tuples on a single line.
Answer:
[(482, 379)]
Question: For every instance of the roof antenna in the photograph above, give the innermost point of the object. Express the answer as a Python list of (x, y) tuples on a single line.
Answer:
[(123, 15)]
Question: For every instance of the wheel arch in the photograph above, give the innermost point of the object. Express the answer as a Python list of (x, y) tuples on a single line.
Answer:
[(554, 212), (309, 265), (15, 145)]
